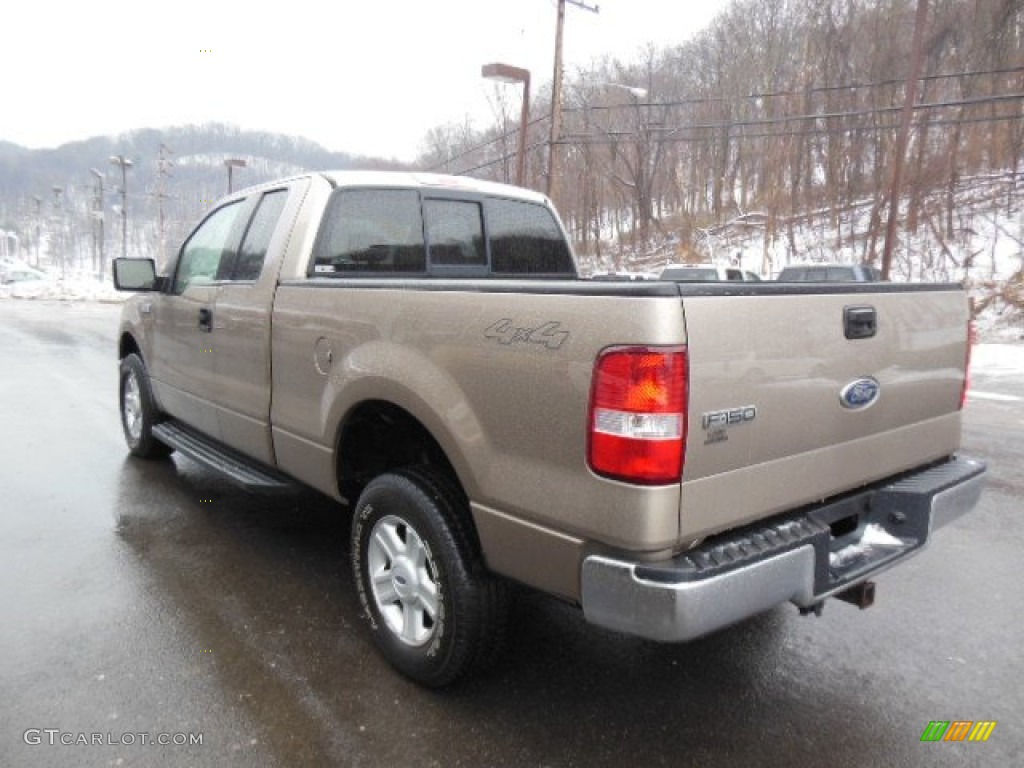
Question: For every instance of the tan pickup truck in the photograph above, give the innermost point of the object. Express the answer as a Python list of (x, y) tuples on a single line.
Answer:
[(671, 457)]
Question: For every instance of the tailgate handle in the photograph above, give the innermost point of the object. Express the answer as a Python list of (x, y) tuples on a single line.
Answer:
[(860, 322)]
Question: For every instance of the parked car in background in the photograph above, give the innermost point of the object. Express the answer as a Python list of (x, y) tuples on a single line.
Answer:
[(19, 274), (614, 276), (24, 282), (830, 273), (705, 272)]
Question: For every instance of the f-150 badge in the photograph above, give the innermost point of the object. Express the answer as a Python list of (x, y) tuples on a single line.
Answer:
[(717, 423)]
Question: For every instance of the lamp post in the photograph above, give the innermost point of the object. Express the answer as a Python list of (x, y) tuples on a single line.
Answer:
[(125, 164), (231, 163), (99, 215), (504, 73)]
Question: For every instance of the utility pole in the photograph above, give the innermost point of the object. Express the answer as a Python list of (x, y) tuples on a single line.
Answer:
[(99, 215), (39, 206), (125, 164), (909, 98), (58, 229), (556, 94), (163, 172)]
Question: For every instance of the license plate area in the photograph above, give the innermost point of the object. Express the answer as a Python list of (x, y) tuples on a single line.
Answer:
[(865, 531), (846, 520)]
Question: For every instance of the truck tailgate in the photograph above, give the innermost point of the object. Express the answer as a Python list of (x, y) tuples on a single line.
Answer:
[(788, 406)]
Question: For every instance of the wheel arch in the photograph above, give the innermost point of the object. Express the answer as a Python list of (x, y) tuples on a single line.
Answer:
[(127, 345), (377, 436)]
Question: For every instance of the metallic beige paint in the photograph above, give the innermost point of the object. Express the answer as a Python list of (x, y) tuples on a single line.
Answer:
[(787, 355), (512, 417)]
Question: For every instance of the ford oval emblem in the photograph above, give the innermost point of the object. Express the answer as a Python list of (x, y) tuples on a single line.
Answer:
[(860, 394)]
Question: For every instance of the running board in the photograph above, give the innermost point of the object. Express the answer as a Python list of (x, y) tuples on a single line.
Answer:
[(239, 469)]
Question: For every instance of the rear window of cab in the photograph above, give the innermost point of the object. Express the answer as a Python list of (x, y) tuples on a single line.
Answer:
[(380, 232)]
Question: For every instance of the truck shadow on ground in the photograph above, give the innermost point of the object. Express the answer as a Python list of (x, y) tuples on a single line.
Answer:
[(265, 584)]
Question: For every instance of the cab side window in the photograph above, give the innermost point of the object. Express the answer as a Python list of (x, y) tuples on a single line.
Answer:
[(253, 251), (525, 239), (455, 231), (370, 231), (207, 248)]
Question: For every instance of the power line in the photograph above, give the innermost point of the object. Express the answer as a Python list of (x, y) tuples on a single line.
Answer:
[(502, 159), (734, 124), (592, 139), (794, 92), (739, 123), (495, 140)]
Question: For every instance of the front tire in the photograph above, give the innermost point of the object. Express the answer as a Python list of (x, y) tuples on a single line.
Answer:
[(138, 411), (434, 611)]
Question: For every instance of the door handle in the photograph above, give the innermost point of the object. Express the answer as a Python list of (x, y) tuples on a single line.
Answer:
[(205, 319)]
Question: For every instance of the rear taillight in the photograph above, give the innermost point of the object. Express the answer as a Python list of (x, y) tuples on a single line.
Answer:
[(971, 338), (637, 428)]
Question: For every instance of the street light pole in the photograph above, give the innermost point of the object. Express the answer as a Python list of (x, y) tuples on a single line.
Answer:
[(125, 164), (508, 74), (231, 163)]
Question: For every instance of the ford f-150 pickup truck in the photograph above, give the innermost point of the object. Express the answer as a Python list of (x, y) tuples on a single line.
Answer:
[(670, 457)]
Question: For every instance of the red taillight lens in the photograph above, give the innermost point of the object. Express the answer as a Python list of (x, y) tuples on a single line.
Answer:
[(971, 338), (638, 414)]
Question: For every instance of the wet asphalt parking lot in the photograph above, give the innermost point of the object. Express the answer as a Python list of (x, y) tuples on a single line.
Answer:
[(154, 600)]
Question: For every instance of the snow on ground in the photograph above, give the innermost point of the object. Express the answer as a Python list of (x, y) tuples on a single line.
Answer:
[(980, 244), (998, 359), (74, 285)]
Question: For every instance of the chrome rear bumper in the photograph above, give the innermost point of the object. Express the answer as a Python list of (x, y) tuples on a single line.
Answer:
[(802, 557)]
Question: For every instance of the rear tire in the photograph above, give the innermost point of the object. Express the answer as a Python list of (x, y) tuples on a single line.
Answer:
[(138, 411), (434, 611)]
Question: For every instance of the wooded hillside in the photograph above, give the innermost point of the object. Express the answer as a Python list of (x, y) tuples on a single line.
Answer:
[(779, 108)]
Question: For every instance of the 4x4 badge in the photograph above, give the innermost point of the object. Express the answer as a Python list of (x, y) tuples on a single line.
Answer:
[(549, 334)]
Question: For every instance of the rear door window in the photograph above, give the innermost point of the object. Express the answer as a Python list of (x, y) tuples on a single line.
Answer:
[(370, 231), (526, 239), (455, 233)]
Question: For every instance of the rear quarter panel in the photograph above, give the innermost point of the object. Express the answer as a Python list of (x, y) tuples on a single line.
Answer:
[(512, 417)]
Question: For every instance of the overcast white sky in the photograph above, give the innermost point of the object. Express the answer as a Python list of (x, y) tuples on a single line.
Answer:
[(362, 77)]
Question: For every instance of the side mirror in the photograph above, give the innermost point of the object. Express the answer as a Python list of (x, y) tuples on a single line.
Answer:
[(135, 275)]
